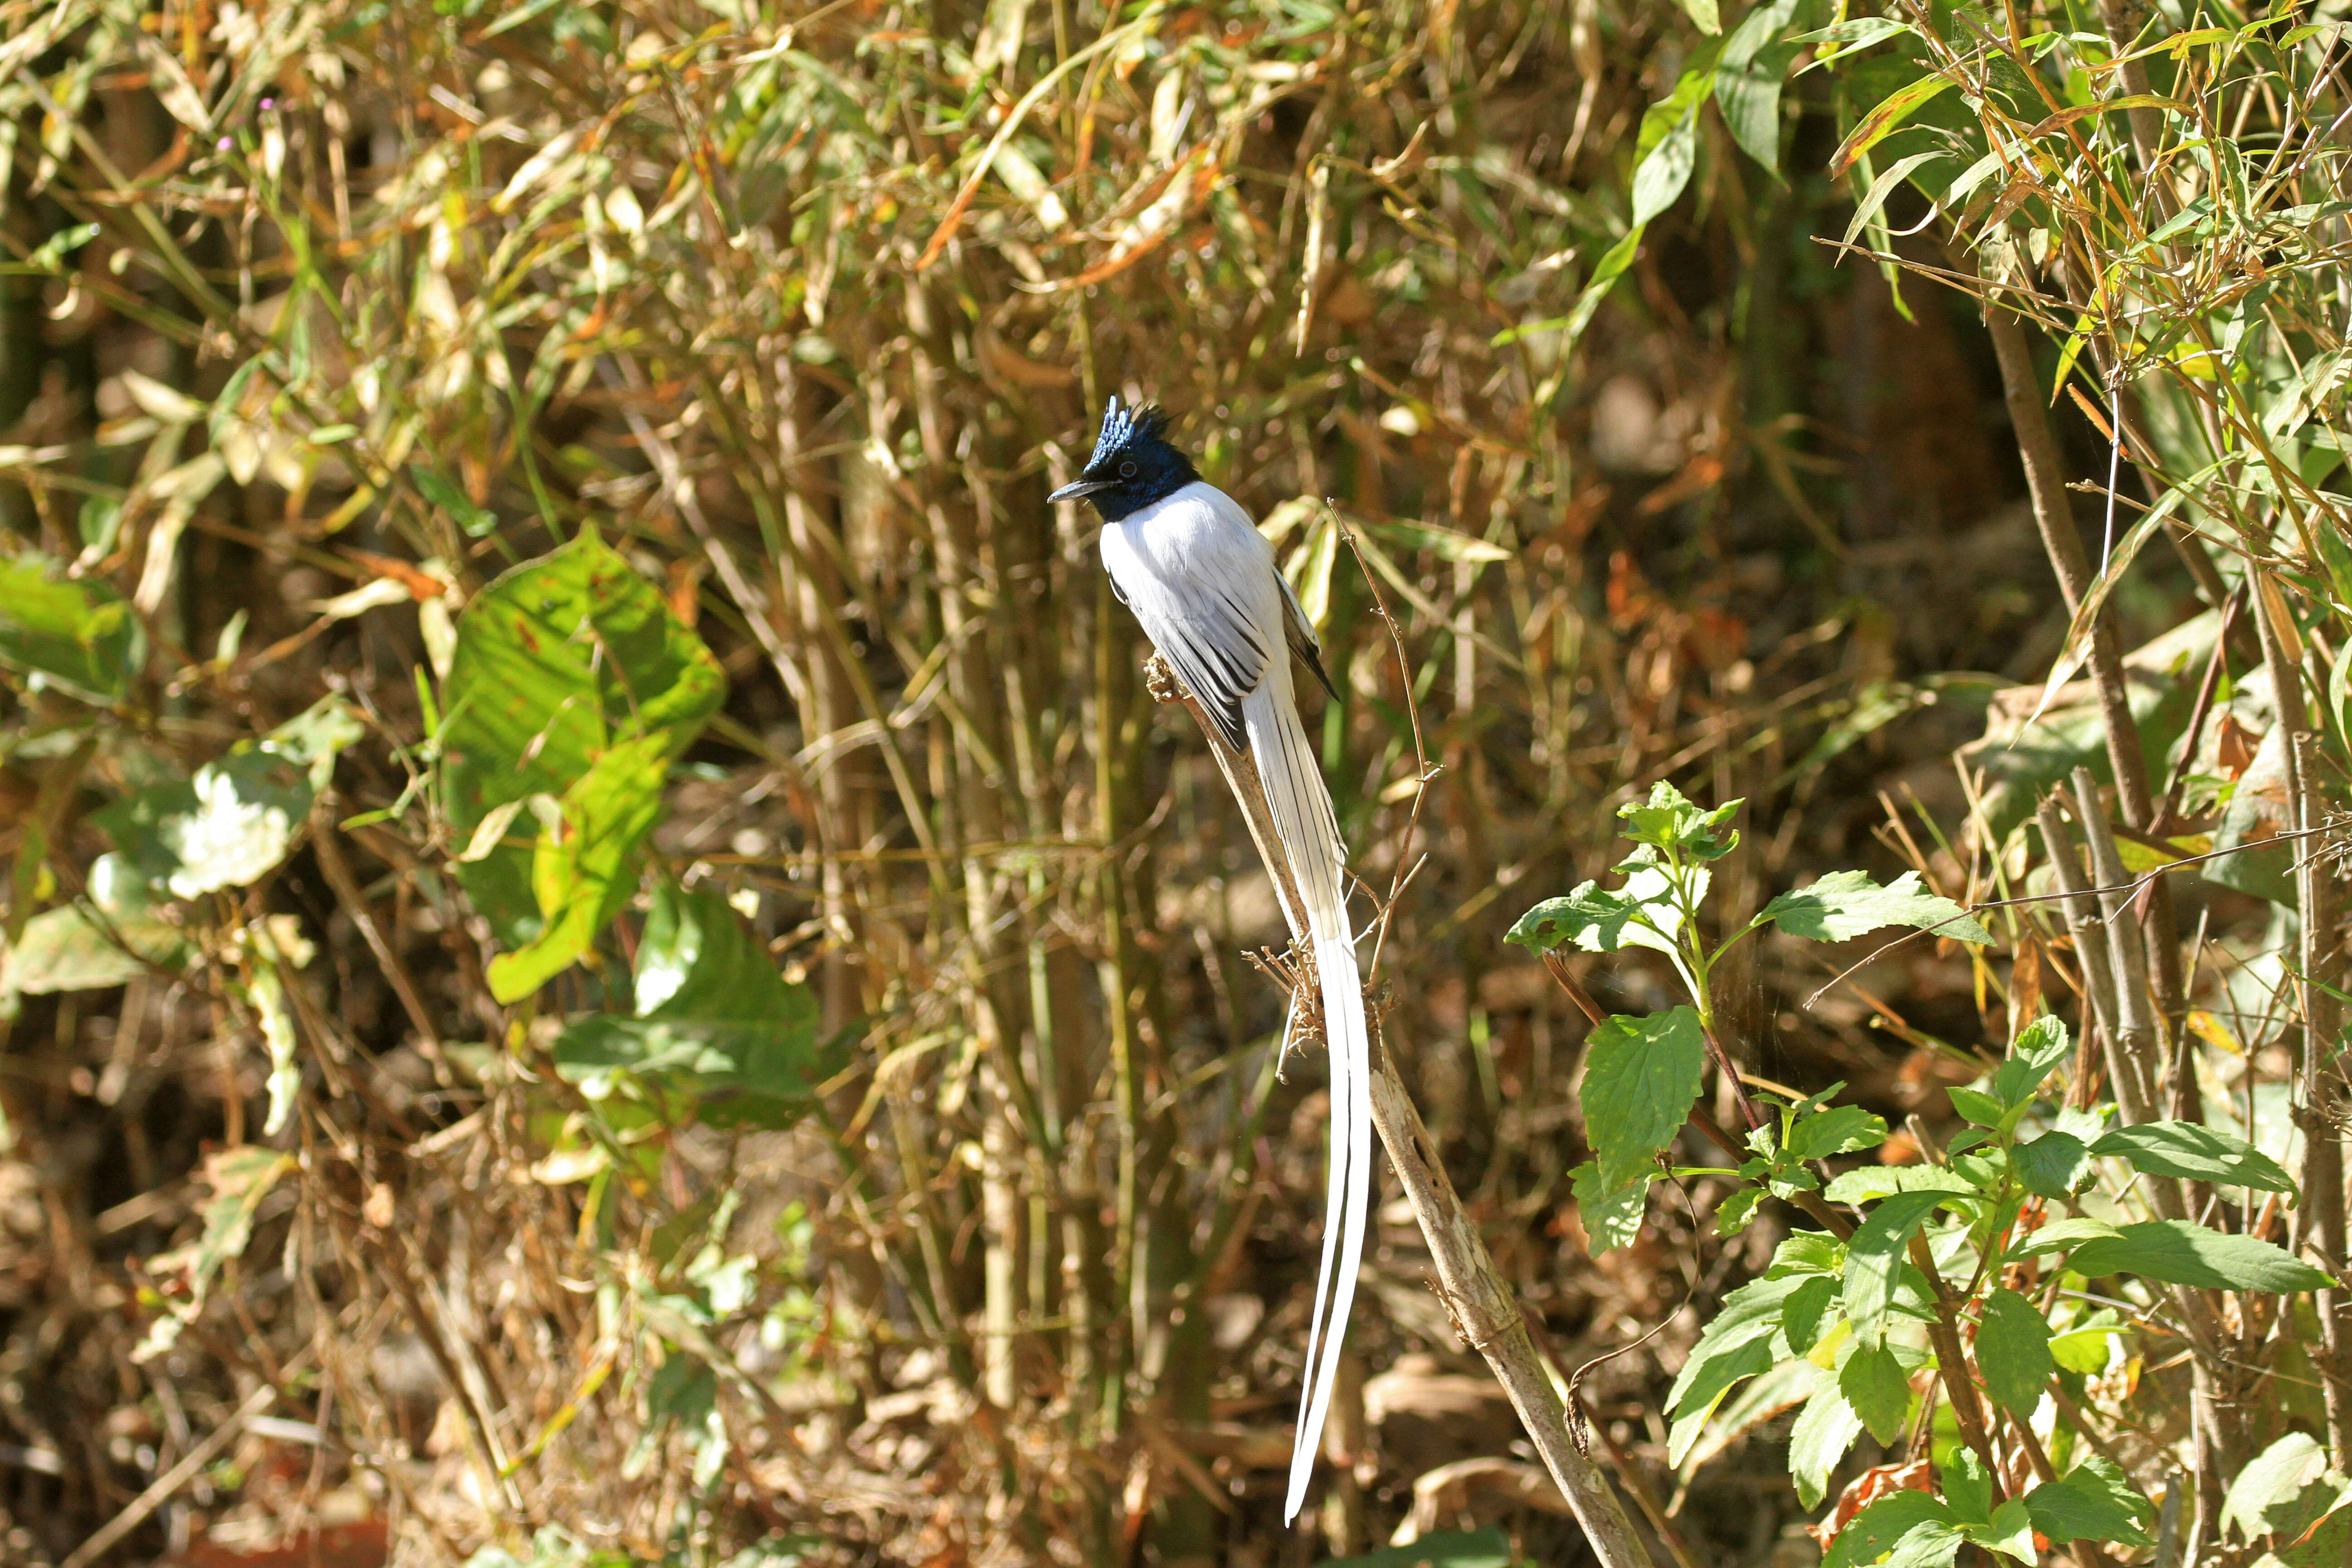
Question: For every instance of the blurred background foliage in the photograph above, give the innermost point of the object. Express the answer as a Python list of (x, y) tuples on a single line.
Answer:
[(608, 960)]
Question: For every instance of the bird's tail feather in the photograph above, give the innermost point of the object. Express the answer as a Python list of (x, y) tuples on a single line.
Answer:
[(1303, 818)]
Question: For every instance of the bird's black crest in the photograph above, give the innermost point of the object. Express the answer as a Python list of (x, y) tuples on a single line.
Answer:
[(1123, 427)]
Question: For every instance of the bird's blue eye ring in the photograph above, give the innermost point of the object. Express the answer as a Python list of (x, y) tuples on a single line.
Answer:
[(1126, 470)]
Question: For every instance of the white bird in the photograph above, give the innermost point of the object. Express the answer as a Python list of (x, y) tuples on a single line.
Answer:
[(1186, 558)]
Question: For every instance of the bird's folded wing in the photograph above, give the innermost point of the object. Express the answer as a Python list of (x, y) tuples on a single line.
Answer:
[(1206, 633)]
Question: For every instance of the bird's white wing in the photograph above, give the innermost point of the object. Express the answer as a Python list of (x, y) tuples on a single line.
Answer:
[(1186, 567)]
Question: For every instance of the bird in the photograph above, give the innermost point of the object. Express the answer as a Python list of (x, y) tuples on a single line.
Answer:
[(1186, 558)]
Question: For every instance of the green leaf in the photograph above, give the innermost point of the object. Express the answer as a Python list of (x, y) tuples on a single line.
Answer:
[(714, 1021), (478, 522), (1865, 1184), (1874, 1383), (554, 663), (1641, 1078), (1748, 80), (2054, 1165), (1593, 919), (1934, 1544), (1968, 1490), (2009, 1533), (2330, 1545), (2013, 1352), (1611, 1216), (584, 877), (74, 949), (1840, 1129), (1825, 1428), (1736, 1343), (77, 636), (2038, 1051), (2061, 1234), (1845, 904), (2284, 1490), (1488, 1548), (1874, 1254), (1737, 1212), (1875, 126), (2094, 1501), (1668, 820), (1808, 1306), (1874, 1533), (2194, 1152), (2179, 1253), (1703, 16), (1977, 1106), (2084, 1347)]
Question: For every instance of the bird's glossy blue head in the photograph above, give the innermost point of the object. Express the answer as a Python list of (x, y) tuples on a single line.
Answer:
[(1133, 464)]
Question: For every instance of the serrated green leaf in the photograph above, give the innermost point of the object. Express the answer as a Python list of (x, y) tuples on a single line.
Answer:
[(1874, 1254), (1737, 1212), (2094, 1501), (1825, 1428), (1840, 1129), (1806, 1310), (1589, 916), (2054, 1165), (1877, 1528), (1736, 1343), (1641, 1078), (1977, 1106), (1968, 1490), (1846, 904), (1865, 1184), (2013, 1352), (1873, 1384), (2194, 1152), (2179, 1253), (2038, 1051), (1611, 1216), (2010, 1532)]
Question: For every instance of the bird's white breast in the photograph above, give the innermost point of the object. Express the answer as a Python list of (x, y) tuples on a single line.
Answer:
[(1197, 540)]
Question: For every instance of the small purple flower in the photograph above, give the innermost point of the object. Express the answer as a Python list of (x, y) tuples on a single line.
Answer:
[(221, 145), (269, 103)]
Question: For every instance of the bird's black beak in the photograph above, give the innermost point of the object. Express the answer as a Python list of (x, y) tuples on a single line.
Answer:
[(1077, 489)]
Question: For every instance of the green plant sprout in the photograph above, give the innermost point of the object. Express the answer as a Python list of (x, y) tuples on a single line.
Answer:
[(1989, 1281)]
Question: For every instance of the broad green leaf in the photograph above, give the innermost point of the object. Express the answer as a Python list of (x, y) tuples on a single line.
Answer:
[(1806, 1252), (2179, 1253), (2094, 1501), (1865, 1184), (2013, 1352), (1874, 1254), (1782, 1388), (555, 662), (1641, 1078), (2061, 1234), (1806, 1310), (2284, 1490), (76, 635), (1825, 1428), (1840, 1129), (1874, 1533), (1892, 111), (1591, 918), (1977, 1106), (1488, 1548), (1968, 1490), (714, 1021), (74, 949), (1703, 16), (1737, 1212), (1611, 1216), (2009, 1533), (584, 877), (1735, 1343), (1845, 904), (2038, 1051), (2083, 1348), (1749, 79), (2054, 1165), (2194, 1152), (1933, 1544), (1874, 1383)]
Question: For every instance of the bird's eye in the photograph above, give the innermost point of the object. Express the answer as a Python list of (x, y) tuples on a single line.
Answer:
[(1126, 470)]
